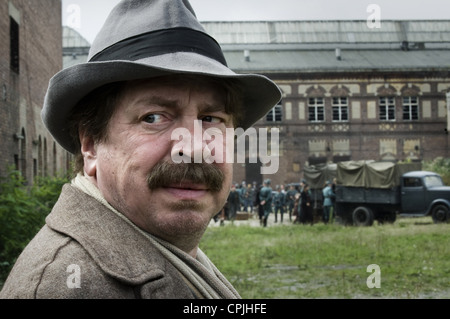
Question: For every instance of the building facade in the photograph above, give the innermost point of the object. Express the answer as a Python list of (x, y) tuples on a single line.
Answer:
[(30, 54), (350, 92)]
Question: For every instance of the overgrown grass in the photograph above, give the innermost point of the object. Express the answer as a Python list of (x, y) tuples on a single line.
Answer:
[(289, 261), (330, 261)]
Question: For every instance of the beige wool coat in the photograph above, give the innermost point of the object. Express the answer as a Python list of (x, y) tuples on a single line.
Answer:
[(86, 251)]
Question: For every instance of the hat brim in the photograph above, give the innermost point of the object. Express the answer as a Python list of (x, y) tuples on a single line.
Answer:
[(70, 85)]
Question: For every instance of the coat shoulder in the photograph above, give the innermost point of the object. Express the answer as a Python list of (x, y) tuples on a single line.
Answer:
[(54, 266), (26, 275)]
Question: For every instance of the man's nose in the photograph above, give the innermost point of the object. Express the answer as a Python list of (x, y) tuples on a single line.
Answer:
[(191, 148)]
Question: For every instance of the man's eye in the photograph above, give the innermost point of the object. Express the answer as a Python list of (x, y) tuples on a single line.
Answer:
[(152, 118), (211, 119)]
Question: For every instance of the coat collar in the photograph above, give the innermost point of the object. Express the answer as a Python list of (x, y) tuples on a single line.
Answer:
[(117, 248)]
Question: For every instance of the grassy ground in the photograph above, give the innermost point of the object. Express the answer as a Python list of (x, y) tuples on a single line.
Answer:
[(330, 261)]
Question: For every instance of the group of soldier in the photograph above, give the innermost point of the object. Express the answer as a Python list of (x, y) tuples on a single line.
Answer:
[(282, 201), (294, 200)]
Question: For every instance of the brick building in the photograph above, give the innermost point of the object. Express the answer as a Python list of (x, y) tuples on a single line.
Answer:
[(30, 54), (350, 92)]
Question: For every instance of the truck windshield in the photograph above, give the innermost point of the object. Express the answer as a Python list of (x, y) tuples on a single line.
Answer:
[(433, 181)]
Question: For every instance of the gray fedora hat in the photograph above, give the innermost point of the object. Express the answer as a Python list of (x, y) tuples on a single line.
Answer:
[(145, 39)]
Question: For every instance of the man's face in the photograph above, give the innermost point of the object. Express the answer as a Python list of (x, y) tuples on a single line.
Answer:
[(139, 139)]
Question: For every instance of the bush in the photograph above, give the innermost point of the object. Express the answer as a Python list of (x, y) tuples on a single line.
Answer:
[(441, 166), (22, 213)]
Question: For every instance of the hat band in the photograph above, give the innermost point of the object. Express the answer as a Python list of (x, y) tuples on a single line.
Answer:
[(162, 42)]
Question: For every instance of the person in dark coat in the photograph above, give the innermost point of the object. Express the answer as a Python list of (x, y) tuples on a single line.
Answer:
[(279, 199), (257, 204), (265, 197), (306, 207), (290, 200), (233, 203)]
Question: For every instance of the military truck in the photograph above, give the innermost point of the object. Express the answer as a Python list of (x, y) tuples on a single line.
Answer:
[(367, 191)]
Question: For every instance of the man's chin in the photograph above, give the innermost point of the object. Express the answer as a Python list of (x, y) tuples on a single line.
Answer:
[(183, 225), (188, 213), (192, 206)]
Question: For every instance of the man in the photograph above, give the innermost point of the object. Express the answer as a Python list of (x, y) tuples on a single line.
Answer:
[(279, 202), (248, 198), (130, 223), (290, 199), (306, 216), (303, 183), (233, 203), (265, 198), (241, 192), (328, 196), (298, 202)]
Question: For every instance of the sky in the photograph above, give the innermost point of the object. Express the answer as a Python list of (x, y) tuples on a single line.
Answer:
[(88, 16)]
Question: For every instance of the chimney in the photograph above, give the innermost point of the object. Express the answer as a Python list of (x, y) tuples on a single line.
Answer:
[(247, 55), (338, 54)]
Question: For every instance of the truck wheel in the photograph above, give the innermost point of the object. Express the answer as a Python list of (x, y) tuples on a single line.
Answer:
[(440, 214), (362, 216)]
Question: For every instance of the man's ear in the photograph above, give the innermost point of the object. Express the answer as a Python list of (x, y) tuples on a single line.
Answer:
[(89, 151)]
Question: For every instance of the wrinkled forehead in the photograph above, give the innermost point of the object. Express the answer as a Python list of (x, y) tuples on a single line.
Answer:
[(218, 91), (173, 92)]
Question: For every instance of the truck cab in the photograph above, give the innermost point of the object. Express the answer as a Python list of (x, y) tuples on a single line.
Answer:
[(424, 193)]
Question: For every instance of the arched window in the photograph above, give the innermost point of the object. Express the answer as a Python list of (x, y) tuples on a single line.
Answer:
[(23, 154)]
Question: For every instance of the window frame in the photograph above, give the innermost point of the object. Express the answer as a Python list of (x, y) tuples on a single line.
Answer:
[(408, 108), (387, 108), (14, 47), (340, 106), (275, 115), (318, 109)]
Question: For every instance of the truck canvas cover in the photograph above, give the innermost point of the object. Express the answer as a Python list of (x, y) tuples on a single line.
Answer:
[(317, 175), (371, 174), (367, 174)]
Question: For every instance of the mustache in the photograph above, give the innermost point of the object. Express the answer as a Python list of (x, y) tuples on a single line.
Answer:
[(166, 174)]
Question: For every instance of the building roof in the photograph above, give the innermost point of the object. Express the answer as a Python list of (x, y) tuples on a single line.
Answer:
[(333, 46), (73, 39), (258, 32), (325, 60), (75, 47), (312, 46)]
